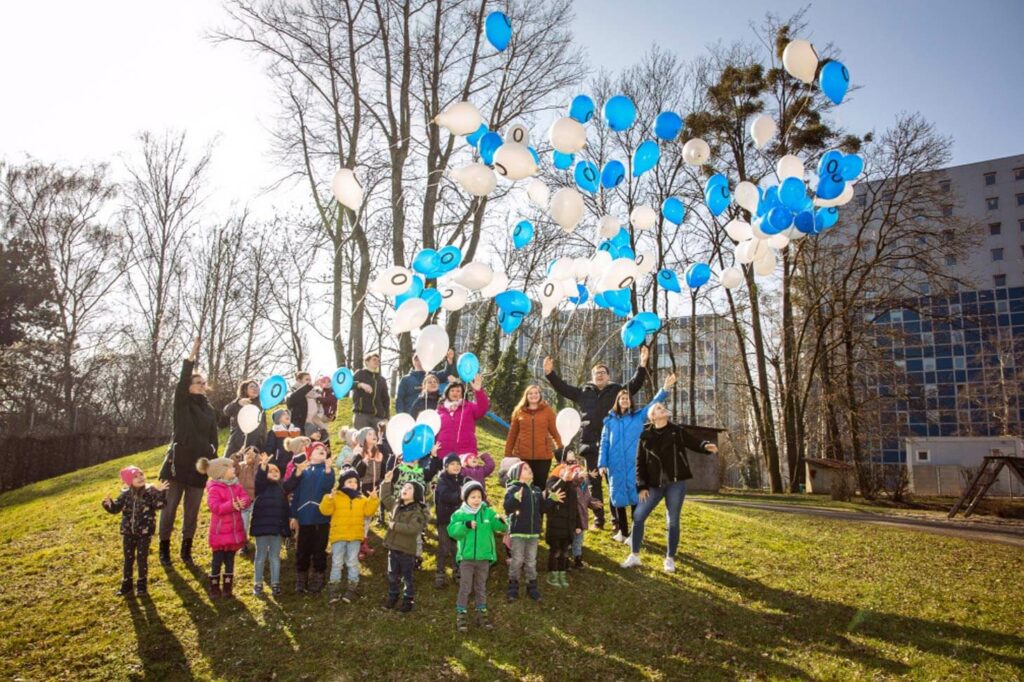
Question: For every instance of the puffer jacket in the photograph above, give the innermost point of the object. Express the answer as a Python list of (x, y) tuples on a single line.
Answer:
[(427, 401), (307, 490), (195, 433), (408, 521), (270, 508), (477, 543), (138, 510), (525, 515), (347, 514), (458, 426), (447, 497), (593, 403), (478, 473), (661, 457), (227, 529), (532, 433), (619, 441), (563, 517)]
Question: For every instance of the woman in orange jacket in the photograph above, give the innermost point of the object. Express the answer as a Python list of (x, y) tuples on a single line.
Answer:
[(533, 435)]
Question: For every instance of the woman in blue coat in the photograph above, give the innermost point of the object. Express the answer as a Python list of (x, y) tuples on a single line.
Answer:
[(617, 462)]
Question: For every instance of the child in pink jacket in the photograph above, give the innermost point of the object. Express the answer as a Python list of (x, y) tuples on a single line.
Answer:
[(226, 498)]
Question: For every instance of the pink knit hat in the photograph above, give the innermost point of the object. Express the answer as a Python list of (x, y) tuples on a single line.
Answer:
[(128, 474)]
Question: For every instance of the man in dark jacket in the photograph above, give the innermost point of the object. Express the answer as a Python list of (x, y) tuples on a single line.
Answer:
[(195, 436), (447, 499), (370, 399), (595, 400), (298, 408), (409, 387)]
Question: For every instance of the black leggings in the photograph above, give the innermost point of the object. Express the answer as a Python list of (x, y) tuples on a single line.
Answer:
[(223, 558), (541, 468), (620, 518), (558, 554), (136, 552)]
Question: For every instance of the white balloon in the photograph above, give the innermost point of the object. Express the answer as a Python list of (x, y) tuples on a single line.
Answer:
[(563, 268), (738, 230), (518, 133), (696, 152), (347, 189), (778, 241), (431, 418), (461, 118), (569, 287), (476, 178), (393, 281), (431, 346), (514, 161), (765, 264), (538, 193), (747, 196), (800, 60), (397, 427), (581, 268), (750, 250), (551, 294), (620, 274), (609, 226), (643, 217), (453, 297), (568, 424), (645, 262), (410, 315), (763, 129), (600, 262), (568, 135), (474, 276), (567, 208), (248, 418), (731, 277), (755, 228), (789, 166), (498, 284)]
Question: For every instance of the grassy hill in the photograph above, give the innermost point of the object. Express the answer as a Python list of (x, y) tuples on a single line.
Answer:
[(756, 595)]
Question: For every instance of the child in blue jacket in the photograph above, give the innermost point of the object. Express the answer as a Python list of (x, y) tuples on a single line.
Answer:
[(313, 478)]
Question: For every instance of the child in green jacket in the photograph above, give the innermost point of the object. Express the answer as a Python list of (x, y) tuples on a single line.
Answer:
[(473, 526)]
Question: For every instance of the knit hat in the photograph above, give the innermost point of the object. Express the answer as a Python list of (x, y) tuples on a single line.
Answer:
[(128, 474), (346, 473), (449, 458), (296, 446), (312, 428), (362, 434), (276, 415), (514, 471), (214, 468), (312, 447), (469, 487), (454, 384)]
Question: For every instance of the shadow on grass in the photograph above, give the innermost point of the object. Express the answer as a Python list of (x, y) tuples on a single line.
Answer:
[(161, 653)]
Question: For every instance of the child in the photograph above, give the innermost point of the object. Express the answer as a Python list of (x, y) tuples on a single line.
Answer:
[(296, 449), (275, 443), (473, 526), (349, 511), (408, 520), (137, 503), (447, 497), (368, 461), (226, 499), (585, 502), (269, 525), (313, 478), (563, 523), (246, 464), (478, 468), (524, 504)]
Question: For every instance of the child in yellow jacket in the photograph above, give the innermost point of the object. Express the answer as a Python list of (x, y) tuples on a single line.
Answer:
[(348, 509)]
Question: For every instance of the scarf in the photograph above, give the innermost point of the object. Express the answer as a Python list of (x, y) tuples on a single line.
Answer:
[(352, 494), (230, 481), (452, 406), (470, 510)]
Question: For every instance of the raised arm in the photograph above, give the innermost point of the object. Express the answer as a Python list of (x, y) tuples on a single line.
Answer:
[(185, 378), (573, 393)]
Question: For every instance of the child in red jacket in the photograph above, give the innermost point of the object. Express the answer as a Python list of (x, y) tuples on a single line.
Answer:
[(226, 498)]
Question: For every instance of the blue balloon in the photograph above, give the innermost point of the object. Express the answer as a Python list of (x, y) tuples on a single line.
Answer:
[(834, 81), (669, 281), (341, 382), (612, 174), (273, 391), (830, 186), (450, 257), (581, 109), (618, 298), (414, 290), (633, 333), (417, 443), (582, 297), (619, 113), (488, 145), (804, 221), (522, 234), (673, 210), (779, 219), (620, 238), (697, 275), (830, 161), (793, 193), (621, 312), (769, 200), (600, 301), (668, 125), (499, 30), (513, 307), (825, 218), (606, 245), (562, 161), (645, 157), (650, 322), (535, 155), (474, 137), (468, 366), (715, 180), (427, 262), (716, 194), (851, 166), (623, 251), (433, 298), (587, 176)]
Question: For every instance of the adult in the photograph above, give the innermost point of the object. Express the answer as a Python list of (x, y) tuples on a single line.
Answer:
[(328, 401), (429, 398), (595, 400), (617, 462), (370, 399), (532, 434), (662, 470), (195, 436), (409, 387), (298, 407), (248, 394), (459, 417)]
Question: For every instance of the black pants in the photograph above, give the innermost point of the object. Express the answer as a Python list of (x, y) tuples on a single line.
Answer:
[(136, 550), (558, 553), (541, 469), (621, 522), (225, 559), (400, 568), (592, 452), (311, 546)]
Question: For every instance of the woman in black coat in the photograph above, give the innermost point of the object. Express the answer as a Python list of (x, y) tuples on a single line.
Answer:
[(195, 436), (248, 394)]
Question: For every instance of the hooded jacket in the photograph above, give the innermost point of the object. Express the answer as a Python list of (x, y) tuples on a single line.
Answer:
[(593, 403), (525, 515), (195, 432), (619, 440), (458, 426), (270, 508), (307, 489), (138, 510), (563, 517), (429, 401), (377, 403), (227, 529), (532, 433), (407, 520), (347, 513), (661, 457), (477, 543)]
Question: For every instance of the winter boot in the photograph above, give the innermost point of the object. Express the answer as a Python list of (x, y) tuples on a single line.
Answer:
[(513, 590), (461, 623), (257, 590), (165, 552), (300, 583), (333, 593), (552, 579), (532, 591), (186, 551), (141, 588), (483, 620), (126, 588), (577, 563), (351, 594), (229, 584), (317, 582), (390, 601), (213, 587), (275, 589), (407, 605), (563, 579)]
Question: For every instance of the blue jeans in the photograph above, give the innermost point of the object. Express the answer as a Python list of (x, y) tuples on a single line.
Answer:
[(345, 552), (268, 546), (577, 544), (246, 517), (674, 493)]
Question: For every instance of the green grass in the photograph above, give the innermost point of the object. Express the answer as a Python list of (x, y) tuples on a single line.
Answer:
[(757, 595)]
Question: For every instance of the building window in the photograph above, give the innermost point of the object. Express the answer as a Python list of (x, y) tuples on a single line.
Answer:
[(862, 201), (1002, 305), (997, 255), (922, 455), (990, 178), (896, 315), (928, 364), (999, 280), (954, 309), (959, 362), (944, 186), (992, 203), (1020, 199), (957, 335), (931, 391), (995, 229), (1018, 173)]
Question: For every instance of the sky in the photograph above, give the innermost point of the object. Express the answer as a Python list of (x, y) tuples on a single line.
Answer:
[(81, 79)]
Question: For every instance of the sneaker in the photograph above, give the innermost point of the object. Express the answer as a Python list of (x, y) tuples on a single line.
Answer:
[(532, 591), (513, 590), (140, 588), (257, 590), (670, 565), (351, 594), (333, 593), (483, 620), (126, 588), (577, 563), (390, 601), (618, 537), (407, 605), (461, 623), (552, 579), (275, 589), (632, 561), (627, 540)]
